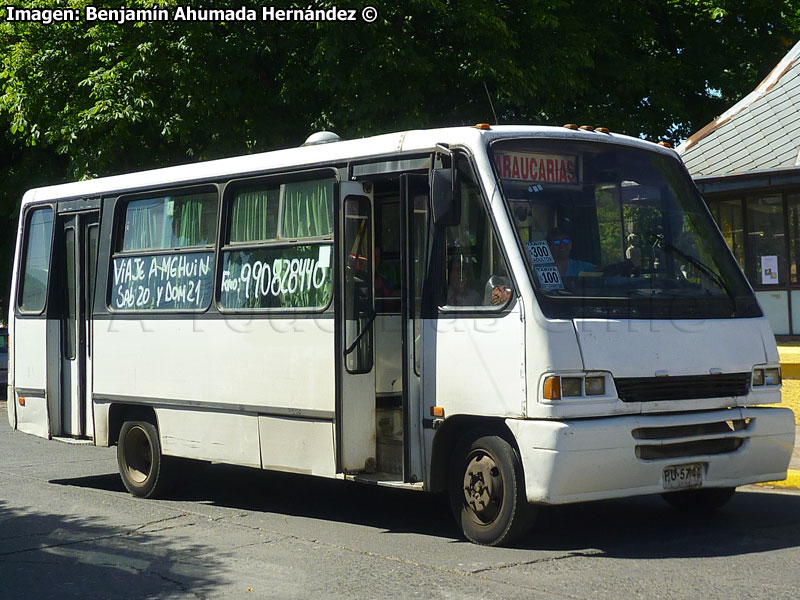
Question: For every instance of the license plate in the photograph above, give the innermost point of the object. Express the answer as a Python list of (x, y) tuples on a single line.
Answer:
[(679, 477)]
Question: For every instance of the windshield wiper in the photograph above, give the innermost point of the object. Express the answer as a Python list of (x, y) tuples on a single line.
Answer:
[(716, 277)]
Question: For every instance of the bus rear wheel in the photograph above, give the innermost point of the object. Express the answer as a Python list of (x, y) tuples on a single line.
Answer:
[(699, 501), (141, 464), (487, 492)]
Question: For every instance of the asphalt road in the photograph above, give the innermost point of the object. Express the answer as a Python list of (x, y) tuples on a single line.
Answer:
[(69, 530)]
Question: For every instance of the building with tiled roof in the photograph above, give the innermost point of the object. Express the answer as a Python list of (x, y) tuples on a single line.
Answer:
[(747, 164)]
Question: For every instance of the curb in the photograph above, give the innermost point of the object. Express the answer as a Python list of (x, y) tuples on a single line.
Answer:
[(790, 370), (792, 480)]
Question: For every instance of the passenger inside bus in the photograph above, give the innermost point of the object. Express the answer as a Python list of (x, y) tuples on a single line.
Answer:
[(461, 282)]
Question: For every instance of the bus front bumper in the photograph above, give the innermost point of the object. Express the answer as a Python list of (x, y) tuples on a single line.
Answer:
[(615, 457)]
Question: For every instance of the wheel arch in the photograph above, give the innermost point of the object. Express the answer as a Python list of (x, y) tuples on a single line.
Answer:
[(118, 413), (448, 437)]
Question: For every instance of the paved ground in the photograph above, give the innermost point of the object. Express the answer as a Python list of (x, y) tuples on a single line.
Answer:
[(68, 530)]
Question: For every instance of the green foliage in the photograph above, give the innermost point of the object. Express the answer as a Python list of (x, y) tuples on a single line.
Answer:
[(90, 99)]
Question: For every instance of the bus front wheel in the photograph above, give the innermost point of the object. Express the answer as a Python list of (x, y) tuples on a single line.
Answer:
[(141, 464), (487, 492)]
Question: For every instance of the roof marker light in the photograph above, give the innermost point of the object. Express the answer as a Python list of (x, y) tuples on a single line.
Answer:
[(665, 144), (602, 130), (483, 126), (586, 128), (572, 126)]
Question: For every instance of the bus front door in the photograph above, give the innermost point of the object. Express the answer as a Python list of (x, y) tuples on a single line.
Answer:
[(77, 248), (415, 252), (355, 317)]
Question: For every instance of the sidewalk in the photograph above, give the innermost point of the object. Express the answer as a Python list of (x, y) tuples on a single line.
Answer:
[(789, 353)]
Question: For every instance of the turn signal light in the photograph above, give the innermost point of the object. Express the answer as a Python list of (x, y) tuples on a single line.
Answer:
[(21, 401), (552, 388), (437, 412)]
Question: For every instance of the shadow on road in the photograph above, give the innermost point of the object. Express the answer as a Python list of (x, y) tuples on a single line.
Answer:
[(631, 528), (56, 556)]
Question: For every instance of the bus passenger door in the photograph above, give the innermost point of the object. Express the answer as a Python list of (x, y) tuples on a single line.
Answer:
[(77, 245), (415, 243), (355, 316)]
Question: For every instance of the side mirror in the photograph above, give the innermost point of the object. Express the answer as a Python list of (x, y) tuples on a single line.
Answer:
[(445, 201)]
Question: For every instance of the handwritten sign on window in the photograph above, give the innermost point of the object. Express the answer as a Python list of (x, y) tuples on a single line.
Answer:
[(283, 277), (163, 282)]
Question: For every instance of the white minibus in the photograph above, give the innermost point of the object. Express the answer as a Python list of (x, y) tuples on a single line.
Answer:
[(515, 315)]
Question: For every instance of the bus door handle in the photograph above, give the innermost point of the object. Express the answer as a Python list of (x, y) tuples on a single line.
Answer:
[(361, 333)]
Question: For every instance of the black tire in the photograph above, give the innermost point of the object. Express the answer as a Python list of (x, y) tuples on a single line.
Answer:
[(487, 492), (141, 464), (699, 501)]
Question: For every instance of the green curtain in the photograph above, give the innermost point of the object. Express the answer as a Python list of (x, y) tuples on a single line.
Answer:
[(142, 224), (170, 222), (254, 217), (193, 224), (307, 209)]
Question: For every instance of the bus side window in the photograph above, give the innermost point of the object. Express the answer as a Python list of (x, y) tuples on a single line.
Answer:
[(276, 253), (475, 269), (38, 238)]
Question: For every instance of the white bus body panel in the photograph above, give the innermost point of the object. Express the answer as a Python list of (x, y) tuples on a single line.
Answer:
[(281, 363), (283, 366), (639, 348), (479, 364), (298, 446), (209, 435), (594, 459), (30, 373)]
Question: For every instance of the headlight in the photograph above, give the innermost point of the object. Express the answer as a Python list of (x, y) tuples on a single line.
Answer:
[(570, 386), (595, 386), (573, 387), (766, 376), (772, 376)]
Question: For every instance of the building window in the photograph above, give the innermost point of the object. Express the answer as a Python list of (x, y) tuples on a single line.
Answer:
[(793, 205), (767, 260), (728, 215)]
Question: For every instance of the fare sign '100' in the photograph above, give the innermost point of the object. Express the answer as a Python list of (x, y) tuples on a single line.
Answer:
[(537, 167)]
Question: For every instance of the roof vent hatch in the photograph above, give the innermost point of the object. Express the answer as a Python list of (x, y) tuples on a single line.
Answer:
[(321, 137)]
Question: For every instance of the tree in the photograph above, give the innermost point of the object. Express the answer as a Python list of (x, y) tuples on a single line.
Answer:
[(85, 99)]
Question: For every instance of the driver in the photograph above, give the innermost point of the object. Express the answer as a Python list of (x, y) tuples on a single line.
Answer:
[(560, 243)]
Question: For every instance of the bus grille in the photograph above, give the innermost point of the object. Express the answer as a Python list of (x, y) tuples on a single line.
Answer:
[(687, 449), (654, 389), (683, 441)]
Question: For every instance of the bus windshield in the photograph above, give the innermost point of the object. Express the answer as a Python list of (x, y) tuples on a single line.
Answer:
[(615, 231)]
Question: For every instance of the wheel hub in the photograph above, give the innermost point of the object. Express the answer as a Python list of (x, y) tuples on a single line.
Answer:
[(139, 455), (483, 487)]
